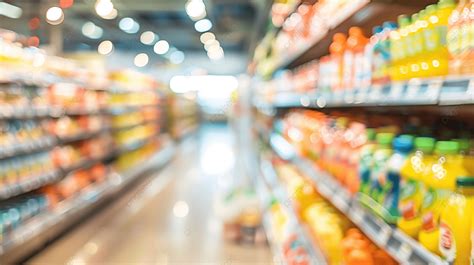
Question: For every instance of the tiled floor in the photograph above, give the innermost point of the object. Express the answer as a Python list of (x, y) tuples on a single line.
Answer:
[(167, 219)]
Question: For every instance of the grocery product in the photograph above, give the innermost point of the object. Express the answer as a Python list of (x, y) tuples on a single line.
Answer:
[(353, 59), (379, 54), (366, 161), (454, 38), (336, 64), (378, 181), (440, 181), (412, 185), (455, 223)]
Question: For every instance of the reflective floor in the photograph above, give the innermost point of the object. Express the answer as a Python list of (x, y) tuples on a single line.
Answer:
[(167, 219)]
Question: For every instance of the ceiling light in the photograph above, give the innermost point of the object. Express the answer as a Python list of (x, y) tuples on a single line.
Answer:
[(177, 57), (203, 25), (10, 10), (211, 44), (161, 47), (92, 31), (54, 15), (147, 37), (141, 60), (196, 9), (129, 25), (113, 14), (207, 36), (104, 7), (105, 47)]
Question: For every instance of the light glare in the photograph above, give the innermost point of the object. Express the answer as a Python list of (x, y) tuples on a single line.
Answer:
[(161, 47), (141, 60), (105, 47), (203, 25)]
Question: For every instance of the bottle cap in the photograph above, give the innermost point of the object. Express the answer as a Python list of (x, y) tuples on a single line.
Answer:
[(447, 147), (390, 25), (385, 138), (370, 132), (403, 20), (377, 30), (425, 144), (431, 9), (403, 143), (465, 181), (339, 37), (464, 145), (446, 4)]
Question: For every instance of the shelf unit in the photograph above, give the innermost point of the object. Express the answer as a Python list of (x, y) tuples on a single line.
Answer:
[(362, 13), (278, 190), (389, 238), (43, 227), (437, 92)]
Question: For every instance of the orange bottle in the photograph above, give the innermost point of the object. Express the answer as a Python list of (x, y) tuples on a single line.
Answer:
[(337, 49), (354, 58), (467, 43)]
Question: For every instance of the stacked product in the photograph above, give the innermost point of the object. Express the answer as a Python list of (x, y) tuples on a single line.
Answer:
[(403, 171), (330, 228)]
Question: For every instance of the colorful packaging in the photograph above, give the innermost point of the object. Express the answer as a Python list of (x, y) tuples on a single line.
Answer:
[(412, 186), (441, 182), (366, 161), (455, 222), (378, 177)]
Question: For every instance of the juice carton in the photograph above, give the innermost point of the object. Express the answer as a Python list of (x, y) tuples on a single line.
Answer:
[(455, 222)]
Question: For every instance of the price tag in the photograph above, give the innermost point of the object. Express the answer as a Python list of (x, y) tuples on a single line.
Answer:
[(434, 88), (375, 93), (384, 235), (357, 215), (413, 88), (396, 91), (405, 251), (339, 202)]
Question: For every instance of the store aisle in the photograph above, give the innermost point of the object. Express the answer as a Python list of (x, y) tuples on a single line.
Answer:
[(167, 219)]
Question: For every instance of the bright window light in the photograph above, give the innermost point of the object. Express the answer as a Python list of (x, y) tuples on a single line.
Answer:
[(219, 83), (54, 15), (161, 47), (147, 38), (141, 60), (10, 10), (105, 47), (203, 25), (207, 37), (196, 9)]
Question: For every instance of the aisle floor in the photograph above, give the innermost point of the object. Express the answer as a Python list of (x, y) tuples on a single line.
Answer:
[(167, 219)]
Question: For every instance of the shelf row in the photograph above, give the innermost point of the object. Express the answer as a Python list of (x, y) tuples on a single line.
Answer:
[(400, 246), (316, 257), (36, 182), (38, 230), (55, 112)]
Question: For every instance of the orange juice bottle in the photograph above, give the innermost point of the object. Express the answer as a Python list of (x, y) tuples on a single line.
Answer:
[(412, 186), (336, 50), (454, 38), (441, 182), (467, 39), (456, 220)]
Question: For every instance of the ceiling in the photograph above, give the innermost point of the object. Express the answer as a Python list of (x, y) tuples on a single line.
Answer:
[(233, 24)]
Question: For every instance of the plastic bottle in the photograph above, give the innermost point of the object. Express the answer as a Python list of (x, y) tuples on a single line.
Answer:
[(454, 38), (382, 53), (412, 186), (381, 155), (366, 161), (439, 18), (402, 146), (336, 50), (441, 182), (467, 38), (455, 222), (416, 46), (399, 40), (353, 58)]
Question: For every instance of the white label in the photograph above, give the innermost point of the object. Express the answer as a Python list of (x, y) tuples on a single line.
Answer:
[(405, 251), (447, 244), (396, 90)]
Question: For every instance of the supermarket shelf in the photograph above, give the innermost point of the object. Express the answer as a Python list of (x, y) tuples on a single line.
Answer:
[(45, 227), (416, 92), (87, 163), (135, 145), (29, 184), (362, 13), (314, 252), (118, 110), (29, 147), (395, 242), (81, 136), (128, 127), (20, 113)]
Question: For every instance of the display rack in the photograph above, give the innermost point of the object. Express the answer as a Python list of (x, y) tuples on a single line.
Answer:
[(278, 190), (417, 92), (389, 238), (49, 224)]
